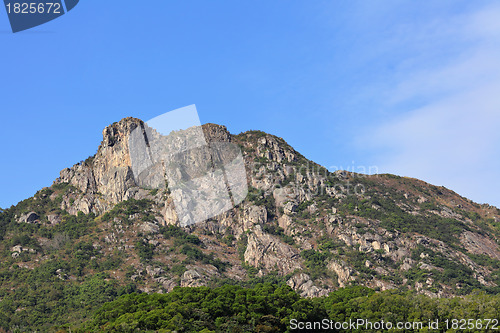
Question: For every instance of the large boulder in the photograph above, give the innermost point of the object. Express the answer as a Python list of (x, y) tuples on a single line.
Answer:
[(30, 217)]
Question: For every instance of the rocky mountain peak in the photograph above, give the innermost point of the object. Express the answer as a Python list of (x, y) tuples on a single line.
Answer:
[(216, 133), (316, 229), (106, 178), (119, 131)]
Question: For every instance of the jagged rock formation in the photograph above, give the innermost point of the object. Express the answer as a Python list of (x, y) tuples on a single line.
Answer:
[(316, 229), (267, 251)]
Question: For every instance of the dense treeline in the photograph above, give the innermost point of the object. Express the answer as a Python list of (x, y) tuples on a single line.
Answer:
[(39, 299), (226, 309), (277, 308)]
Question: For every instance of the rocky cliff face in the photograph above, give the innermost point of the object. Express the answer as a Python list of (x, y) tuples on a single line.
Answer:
[(107, 178), (316, 230)]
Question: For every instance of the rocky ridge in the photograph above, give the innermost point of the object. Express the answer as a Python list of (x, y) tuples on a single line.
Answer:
[(314, 229)]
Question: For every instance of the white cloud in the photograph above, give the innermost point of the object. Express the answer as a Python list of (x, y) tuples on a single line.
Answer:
[(454, 138)]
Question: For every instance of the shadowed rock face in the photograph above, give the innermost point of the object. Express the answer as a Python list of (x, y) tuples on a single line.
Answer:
[(299, 220), (30, 217)]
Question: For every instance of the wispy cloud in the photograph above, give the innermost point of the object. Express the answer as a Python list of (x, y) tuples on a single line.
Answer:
[(453, 137)]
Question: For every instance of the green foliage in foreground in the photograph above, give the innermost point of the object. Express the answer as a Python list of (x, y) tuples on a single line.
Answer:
[(41, 300), (264, 308), (270, 308)]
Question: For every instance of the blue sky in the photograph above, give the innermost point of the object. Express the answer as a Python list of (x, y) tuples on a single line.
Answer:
[(411, 88)]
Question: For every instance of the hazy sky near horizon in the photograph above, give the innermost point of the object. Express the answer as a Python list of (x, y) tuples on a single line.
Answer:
[(410, 88)]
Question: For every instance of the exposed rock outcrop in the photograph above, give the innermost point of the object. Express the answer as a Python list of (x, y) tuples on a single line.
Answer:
[(30, 217), (267, 251), (303, 284)]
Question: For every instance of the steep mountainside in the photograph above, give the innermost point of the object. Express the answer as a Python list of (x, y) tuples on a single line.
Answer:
[(95, 234)]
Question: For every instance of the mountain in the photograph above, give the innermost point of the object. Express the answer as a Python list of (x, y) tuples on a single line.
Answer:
[(95, 234)]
